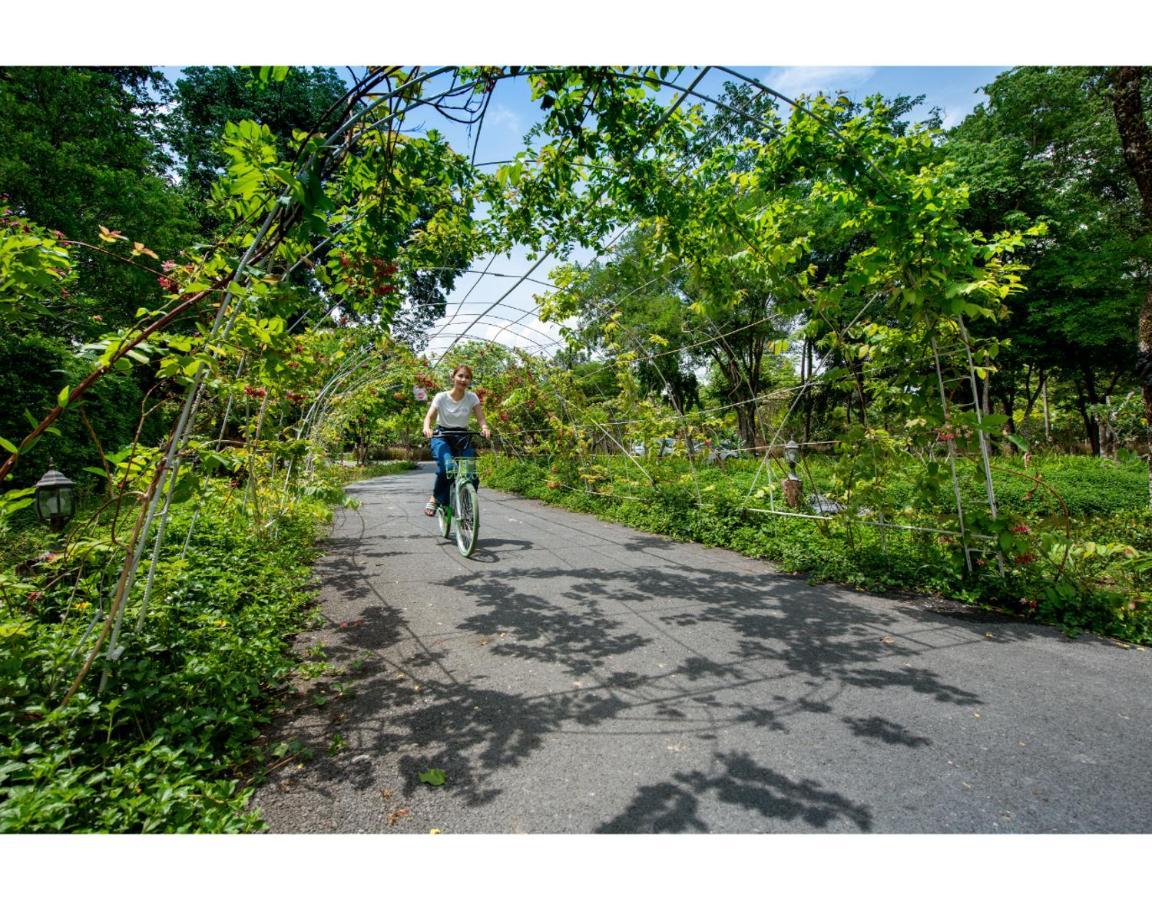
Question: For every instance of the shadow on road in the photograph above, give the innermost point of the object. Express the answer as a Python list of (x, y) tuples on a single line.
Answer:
[(744, 650), (672, 807)]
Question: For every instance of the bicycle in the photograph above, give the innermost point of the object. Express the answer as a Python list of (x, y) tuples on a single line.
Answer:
[(463, 503)]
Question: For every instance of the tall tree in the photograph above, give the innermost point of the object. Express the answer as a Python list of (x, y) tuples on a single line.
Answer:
[(1131, 83), (79, 150), (1044, 148), (208, 97)]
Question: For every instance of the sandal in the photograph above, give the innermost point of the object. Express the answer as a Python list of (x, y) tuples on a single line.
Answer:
[(430, 508)]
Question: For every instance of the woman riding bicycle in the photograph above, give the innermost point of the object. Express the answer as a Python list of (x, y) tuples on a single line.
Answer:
[(451, 411)]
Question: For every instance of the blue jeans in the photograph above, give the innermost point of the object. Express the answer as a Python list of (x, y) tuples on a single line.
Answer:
[(442, 452)]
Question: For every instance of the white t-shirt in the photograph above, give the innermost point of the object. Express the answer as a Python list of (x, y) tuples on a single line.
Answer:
[(452, 413)]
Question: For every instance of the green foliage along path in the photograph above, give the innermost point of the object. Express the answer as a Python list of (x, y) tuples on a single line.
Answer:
[(227, 285)]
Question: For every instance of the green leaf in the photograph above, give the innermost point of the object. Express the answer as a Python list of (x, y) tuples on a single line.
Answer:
[(434, 777), (185, 487), (62, 397), (9, 446), (265, 74), (1018, 442)]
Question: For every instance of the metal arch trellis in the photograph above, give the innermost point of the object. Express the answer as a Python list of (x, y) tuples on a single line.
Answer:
[(159, 496), (989, 485), (164, 480)]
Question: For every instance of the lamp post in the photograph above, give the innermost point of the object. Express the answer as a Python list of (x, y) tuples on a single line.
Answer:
[(55, 498), (792, 485)]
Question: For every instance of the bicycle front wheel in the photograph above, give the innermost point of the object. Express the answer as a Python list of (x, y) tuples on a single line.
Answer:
[(467, 518)]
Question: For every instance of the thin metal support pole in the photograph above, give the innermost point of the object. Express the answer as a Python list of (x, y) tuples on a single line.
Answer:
[(952, 459), (976, 405), (171, 461)]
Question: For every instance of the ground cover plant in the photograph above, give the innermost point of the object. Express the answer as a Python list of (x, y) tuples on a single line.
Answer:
[(163, 747)]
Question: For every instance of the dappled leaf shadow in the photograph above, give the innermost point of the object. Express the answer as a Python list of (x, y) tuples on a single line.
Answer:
[(886, 731), (676, 645), (675, 806)]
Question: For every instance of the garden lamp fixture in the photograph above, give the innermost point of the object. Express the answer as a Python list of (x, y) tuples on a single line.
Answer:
[(55, 498), (792, 454)]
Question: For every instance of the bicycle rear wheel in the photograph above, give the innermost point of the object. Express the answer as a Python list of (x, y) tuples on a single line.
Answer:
[(467, 518), (444, 519)]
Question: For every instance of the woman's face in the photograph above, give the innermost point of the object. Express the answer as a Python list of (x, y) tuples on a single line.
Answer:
[(461, 379)]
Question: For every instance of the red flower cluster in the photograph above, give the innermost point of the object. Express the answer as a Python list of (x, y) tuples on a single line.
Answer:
[(293, 397), (1024, 559), (945, 436), (255, 391), (1020, 528)]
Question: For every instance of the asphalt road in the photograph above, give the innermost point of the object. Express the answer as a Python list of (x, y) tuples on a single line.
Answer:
[(576, 676)]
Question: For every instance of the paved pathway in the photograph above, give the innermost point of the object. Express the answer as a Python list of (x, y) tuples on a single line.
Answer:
[(576, 676)]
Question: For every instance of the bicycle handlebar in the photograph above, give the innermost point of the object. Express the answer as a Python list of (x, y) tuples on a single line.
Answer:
[(478, 434)]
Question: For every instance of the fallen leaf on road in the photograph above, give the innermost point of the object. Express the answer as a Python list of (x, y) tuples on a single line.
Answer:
[(888, 639), (434, 831), (989, 634), (398, 814), (434, 777), (386, 794)]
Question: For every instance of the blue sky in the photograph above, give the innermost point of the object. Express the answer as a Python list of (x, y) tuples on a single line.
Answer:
[(955, 90)]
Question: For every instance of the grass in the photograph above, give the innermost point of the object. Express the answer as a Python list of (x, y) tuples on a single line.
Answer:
[(1082, 571)]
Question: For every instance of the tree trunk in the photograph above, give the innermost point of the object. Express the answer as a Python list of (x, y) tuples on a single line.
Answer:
[(1085, 396), (1136, 140), (1047, 418), (1008, 404)]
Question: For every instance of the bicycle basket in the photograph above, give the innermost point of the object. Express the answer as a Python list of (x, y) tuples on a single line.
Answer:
[(466, 467)]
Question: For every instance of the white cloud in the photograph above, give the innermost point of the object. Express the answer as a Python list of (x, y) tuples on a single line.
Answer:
[(811, 79), (499, 114)]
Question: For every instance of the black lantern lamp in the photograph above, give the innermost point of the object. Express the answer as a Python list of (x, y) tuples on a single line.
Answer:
[(55, 498), (792, 454)]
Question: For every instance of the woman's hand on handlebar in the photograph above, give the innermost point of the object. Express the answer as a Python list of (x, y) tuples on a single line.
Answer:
[(428, 432), (484, 431)]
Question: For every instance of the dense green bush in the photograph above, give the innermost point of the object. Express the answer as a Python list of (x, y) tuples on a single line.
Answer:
[(162, 747)]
